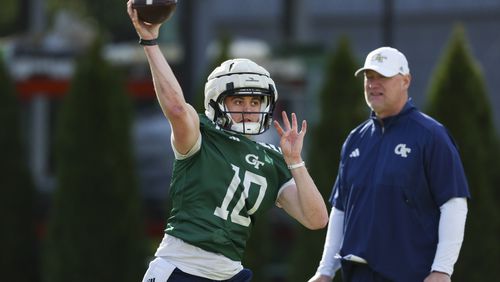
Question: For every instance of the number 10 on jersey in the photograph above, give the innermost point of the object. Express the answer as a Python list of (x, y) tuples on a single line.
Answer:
[(249, 178)]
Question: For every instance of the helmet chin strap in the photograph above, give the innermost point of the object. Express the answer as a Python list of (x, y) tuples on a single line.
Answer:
[(221, 119)]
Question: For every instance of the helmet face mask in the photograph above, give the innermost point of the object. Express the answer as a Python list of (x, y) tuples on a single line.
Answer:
[(240, 77), (265, 112)]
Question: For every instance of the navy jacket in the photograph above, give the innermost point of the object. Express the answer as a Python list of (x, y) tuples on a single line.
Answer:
[(393, 177)]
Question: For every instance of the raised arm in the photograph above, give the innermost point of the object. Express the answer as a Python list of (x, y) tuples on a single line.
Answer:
[(182, 116), (302, 201)]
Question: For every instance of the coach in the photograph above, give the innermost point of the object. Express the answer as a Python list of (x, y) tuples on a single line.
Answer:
[(400, 197)]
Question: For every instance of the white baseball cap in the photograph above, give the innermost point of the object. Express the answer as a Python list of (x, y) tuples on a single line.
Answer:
[(387, 61)]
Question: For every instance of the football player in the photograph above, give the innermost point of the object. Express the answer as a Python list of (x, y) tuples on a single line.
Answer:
[(221, 178)]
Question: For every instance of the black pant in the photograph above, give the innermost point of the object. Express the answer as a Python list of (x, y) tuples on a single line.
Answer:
[(360, 272), (179, 276)]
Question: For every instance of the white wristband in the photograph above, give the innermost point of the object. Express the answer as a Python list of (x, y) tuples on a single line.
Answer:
[(294, 166)]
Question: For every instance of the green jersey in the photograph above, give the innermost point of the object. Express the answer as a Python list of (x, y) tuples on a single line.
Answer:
[(217, 191)]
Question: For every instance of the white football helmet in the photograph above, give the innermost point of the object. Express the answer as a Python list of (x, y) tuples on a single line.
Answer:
[(240, 77)]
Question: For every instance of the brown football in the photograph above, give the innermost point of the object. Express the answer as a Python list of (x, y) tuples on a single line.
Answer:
[(154, 11)]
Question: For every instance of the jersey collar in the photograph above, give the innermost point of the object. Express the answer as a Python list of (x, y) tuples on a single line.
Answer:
[(408, 107)]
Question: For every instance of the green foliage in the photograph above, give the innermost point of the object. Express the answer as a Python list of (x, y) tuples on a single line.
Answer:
[(223, 55), (9, 13), (18, 248), (258, 251), (458, 99), (110, 15), (342, 108), (95, 232)]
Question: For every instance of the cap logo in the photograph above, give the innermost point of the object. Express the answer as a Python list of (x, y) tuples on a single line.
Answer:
[(379, 58)]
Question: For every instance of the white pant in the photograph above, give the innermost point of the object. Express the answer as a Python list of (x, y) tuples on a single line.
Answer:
[(159, 270)]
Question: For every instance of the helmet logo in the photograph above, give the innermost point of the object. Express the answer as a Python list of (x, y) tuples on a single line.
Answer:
[(253, 160), (251, 79)]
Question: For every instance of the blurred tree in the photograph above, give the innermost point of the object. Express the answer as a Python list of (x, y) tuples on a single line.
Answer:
[(95, 231), (13, 17), (457, 98), (18, 250), (222, 55), (110, 16), (258, 252), (342, 108)]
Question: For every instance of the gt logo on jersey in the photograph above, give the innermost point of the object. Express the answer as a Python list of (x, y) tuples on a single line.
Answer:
[(402, 150), (253, 160)]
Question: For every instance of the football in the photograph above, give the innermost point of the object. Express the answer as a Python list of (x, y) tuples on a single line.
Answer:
[(154, 11)]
